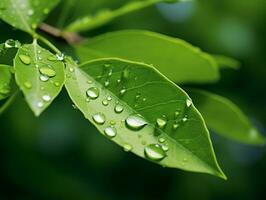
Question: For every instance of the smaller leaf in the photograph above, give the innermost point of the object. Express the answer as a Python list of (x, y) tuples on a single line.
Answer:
[(175, 58), (6, 81), (226, 62), (27, 14), (39, 75), (225, 118), (91, 22)]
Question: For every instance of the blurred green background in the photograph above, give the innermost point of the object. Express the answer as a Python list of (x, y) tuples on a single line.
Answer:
[(61, 156)]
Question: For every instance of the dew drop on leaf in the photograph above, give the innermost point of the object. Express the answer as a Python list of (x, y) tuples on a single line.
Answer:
[(47, 71), (44, 78), (99, 118), (105, 102), (154, 152), (188, 102), (135, 122), (46, 98), (127, 147), (40, 104), (25, 59), (119, 108), (161, 123), (110, 132), (93, 93)]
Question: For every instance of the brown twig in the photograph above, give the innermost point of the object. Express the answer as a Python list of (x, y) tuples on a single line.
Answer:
[(71, 38)]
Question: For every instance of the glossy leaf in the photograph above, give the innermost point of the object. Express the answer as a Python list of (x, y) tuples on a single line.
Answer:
[(175, 58), (225, 118), (90, 22), (39, 75), (26, 14), (6, 81), (227, 62), (141, 110)]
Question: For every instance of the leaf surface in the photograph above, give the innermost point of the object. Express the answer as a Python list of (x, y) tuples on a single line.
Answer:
[(25, 14), (225, 118), (6, 81), (175, 58), (141, 110), (226, 62), (91, 22), (39, 75)]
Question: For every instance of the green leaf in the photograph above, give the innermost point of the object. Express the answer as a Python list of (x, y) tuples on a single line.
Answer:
[(26, 14), (226, 62), (175, 58), (39, 75), (225, 118), (6, 81), (141, 110), (103, 17)]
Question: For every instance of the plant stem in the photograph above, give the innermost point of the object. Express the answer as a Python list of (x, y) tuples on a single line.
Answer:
[(8, 102), (48, 43)]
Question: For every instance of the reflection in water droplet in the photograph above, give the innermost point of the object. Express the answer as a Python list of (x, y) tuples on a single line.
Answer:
[(119, 108), (123, 91), (110, 132), (93, 93), (25, 59), (44, 78), (161, 123), (109, 98), (135, 122), (161, 140), (154, 152), (99, 118), (47, 71), (188, 102), (106, 83), (60, 57), (184, 119), (127, 147), (112, 122), (165, 147), (175, 126), (40, 104), (46, 98), (105, 102)]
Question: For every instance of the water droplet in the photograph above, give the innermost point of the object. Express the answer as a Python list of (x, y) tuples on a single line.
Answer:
[(57, 84), (177, 113), (10, 43), (109, 98), (71, 69), (161, 123), (119, 108), (135, 122), (137, 96), (99, 118), (106, 83), (127, 147), (161, 140), (46, 98), (154, 152), (110, 132), (112, 122), (105, 102), (60, 57), (40, 104), (93, 93), (89, 81), (165, 147), (188, 102), (87, 100), (175, 126), (25, 59), (28, 85), (123, 91), (185, 119), (47, 71), (44, 78)]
